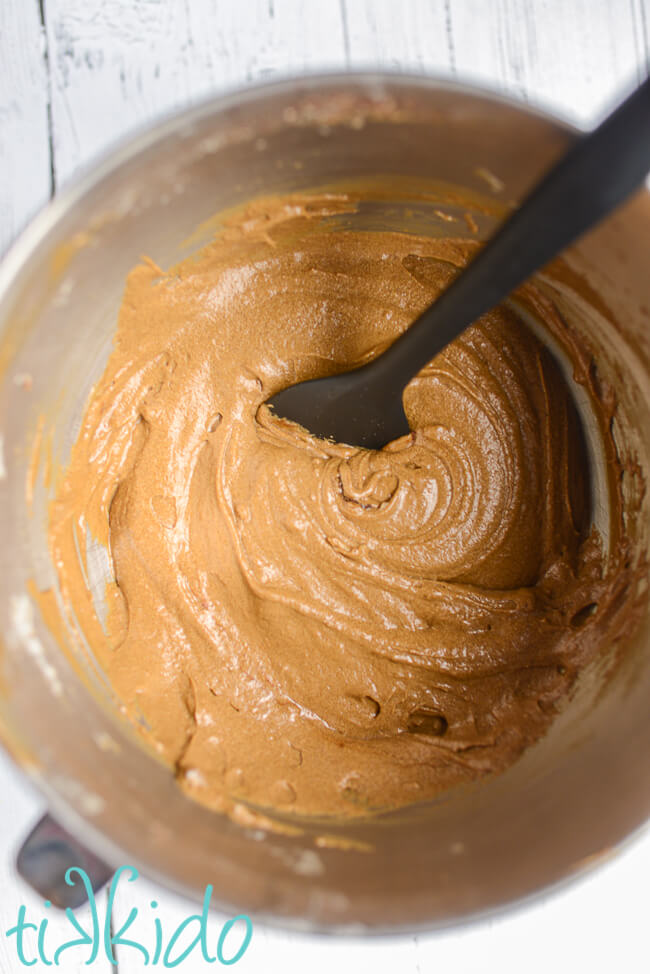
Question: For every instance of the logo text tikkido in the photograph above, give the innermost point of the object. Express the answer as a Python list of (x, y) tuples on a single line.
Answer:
[(93, 939)]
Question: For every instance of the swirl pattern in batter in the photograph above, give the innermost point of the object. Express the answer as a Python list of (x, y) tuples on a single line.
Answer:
[(300, 624)]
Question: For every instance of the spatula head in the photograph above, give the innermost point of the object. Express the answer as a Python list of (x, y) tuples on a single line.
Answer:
[(345, 408)]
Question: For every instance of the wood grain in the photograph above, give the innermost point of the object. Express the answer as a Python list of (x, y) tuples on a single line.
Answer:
[(117, 65), (574, 57), (24, 143), (415, 37)]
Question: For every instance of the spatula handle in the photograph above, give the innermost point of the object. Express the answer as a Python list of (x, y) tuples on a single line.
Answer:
[(596, 174)]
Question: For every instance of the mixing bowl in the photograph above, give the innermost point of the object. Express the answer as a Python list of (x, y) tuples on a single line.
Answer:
[(569, 799)]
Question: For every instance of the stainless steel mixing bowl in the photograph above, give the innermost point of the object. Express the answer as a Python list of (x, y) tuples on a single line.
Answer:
[(572, 797)]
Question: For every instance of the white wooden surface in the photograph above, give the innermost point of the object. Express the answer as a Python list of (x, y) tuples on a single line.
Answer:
[(76, 75)]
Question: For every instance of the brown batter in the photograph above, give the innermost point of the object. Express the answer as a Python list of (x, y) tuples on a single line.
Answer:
[(301, 624)]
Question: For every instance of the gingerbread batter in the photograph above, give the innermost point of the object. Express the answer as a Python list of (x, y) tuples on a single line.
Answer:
[(308, 626)]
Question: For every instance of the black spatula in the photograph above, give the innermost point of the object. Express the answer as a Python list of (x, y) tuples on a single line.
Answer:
[(364, 407)]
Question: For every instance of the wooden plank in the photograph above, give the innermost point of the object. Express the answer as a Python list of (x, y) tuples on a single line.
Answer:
[(574, 57), (24, 140), (117, 65), (412, 36), (641, 31)]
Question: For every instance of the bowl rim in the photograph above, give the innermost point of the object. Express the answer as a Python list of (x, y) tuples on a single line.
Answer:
[(126, 148)]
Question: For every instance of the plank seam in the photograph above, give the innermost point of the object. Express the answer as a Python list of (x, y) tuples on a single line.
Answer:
[(346, 31), (116, 954), (48, 89), (644, 36), (451, 47)]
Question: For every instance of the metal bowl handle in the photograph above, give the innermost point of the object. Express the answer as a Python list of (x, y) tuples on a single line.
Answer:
[(45, 857)]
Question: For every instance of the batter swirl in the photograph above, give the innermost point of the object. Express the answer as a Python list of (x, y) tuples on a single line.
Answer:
[(302, 624)]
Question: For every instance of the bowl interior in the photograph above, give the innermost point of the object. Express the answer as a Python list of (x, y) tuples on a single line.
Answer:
[(578, 792)]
